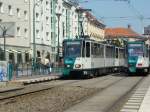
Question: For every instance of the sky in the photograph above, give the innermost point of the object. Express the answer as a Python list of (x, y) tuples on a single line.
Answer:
[(112, 12)]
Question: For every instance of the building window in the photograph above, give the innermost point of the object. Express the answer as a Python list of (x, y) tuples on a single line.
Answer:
[(51, 7), (27, 58), (37, 33), (47, 35), (52, 38), (59, 7), (1, 7), (18, 31), (25, 0), (37, 17), (25, 15), (10, 10), (18, 12), (42, 28), (47, 5), (63, 29), (26, 32), (47, 20)]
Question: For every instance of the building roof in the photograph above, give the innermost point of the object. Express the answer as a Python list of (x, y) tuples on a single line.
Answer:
[(121, 32)]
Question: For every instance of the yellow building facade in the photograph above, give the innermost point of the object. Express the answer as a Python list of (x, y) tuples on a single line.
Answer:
[(94, 28)]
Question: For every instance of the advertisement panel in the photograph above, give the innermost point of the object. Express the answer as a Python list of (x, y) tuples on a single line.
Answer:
[(3, 71)]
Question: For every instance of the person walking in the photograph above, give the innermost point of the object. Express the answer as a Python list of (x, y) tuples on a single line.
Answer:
[(50, 67)]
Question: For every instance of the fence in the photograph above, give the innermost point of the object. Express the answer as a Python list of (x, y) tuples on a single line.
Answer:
[(27, 69)]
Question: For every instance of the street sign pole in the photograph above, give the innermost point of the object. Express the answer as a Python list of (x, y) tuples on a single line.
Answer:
[(4, 36), (6, 30), (58, 17), (34, 44)]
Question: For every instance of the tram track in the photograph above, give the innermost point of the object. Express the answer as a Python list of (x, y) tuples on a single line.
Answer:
[(70, 94), (106, 104), (35, 88), (101, 87), (30, 89)]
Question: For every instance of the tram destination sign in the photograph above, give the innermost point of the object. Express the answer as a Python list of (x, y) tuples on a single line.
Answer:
[(73, 43), (135, 45)]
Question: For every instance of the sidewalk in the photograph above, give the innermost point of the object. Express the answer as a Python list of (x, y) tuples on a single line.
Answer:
[(145, 106), (18, 83)]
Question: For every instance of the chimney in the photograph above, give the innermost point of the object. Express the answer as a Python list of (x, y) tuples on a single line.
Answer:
[(129, 26)]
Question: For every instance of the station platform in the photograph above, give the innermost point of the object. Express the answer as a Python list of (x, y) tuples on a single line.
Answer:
[(18, 83)]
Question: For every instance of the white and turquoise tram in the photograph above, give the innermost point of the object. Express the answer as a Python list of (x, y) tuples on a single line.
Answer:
[(88, 57), (138, 57)]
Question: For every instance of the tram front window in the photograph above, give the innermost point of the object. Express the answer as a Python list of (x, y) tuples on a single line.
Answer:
[(136, 51), (73, 49)]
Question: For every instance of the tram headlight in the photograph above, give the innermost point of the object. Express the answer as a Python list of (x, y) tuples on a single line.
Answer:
[(68, 66), (78, 66)]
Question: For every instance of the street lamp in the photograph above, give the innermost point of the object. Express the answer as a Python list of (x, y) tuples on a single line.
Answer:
[(4, 31), (58, 18), (80, 11), (4, 34), (81, 25)]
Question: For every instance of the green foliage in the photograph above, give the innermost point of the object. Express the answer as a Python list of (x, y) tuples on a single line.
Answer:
[(118, 42)]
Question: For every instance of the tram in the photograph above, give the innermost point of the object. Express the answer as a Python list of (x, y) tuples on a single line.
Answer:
[(87, 57), (138, 57)]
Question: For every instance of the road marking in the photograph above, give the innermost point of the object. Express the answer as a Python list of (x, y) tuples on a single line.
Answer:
[(131, 106), (128, 110), (134, 102)]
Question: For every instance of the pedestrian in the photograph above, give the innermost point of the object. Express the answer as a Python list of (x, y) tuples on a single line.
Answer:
[(10, 70), (49, 67)]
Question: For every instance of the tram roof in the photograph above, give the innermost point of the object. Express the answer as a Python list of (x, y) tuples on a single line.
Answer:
[(87, 38), (136, 42)]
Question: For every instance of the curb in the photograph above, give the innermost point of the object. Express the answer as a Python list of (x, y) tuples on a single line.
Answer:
[(36, 80)]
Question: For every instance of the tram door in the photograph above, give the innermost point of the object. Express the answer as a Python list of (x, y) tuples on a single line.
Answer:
[(88, 55)]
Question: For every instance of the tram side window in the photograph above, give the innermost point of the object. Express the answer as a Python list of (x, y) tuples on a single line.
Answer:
[(121, 53), (109, 52), (95, 49), (98, 50), (83, 49), (87, 49), (92, 49), (147, 52), (116, 52), (101, 51)]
